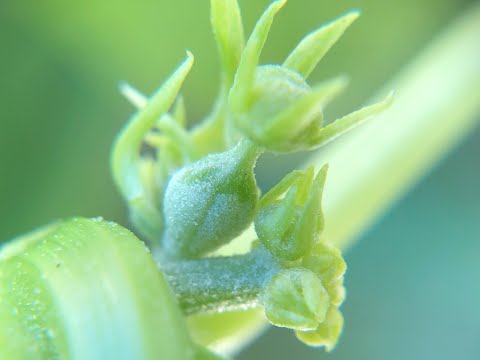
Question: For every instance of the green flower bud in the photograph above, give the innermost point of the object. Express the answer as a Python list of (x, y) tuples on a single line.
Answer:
[(283, 110), (295, 298), (326, 261), (209, 202), (337, 292), (274, 89), (289, 227), (327, 333), (273, 104)]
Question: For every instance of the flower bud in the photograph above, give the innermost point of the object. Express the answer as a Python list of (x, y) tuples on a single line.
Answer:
[(273, 104), (209, 202), (289, 227), (326, 261), (327, 333), (282, 109), (295, 298)]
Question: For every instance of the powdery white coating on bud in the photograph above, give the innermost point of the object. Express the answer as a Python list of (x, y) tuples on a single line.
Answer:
[(211, 201)]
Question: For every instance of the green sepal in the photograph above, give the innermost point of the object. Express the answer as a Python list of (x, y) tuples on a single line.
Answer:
[(289, 227), (244, 77), (228, 29), (286, 131), (315, 45), (330, 132)]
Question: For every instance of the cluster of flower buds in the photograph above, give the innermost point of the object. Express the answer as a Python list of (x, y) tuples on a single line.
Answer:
[(191, 191), (305, 295)]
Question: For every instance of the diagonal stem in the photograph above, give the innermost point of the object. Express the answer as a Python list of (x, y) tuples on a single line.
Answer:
[(220, 283)]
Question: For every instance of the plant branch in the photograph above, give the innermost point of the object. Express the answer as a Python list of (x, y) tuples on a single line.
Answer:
[(220, 283)]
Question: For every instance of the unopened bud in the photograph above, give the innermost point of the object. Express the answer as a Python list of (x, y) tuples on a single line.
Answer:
[(289, 227), (327, 333), (210, 201), (295, 298)]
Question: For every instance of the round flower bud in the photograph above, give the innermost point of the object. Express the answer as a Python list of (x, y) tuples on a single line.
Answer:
[(327, 333), (326, 261), (295, 298), (274, 89), (210, 202), (282, 108)]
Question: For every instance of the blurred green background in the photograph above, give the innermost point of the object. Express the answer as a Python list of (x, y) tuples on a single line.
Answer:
[(413, 281)]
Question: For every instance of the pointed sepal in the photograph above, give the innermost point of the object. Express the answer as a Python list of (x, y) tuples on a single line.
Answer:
[(244, 77), (330, 132), (228, 29), (315, 45), (289, 227)]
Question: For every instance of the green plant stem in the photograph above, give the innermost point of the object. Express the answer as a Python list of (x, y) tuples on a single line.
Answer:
[(220, 283)]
